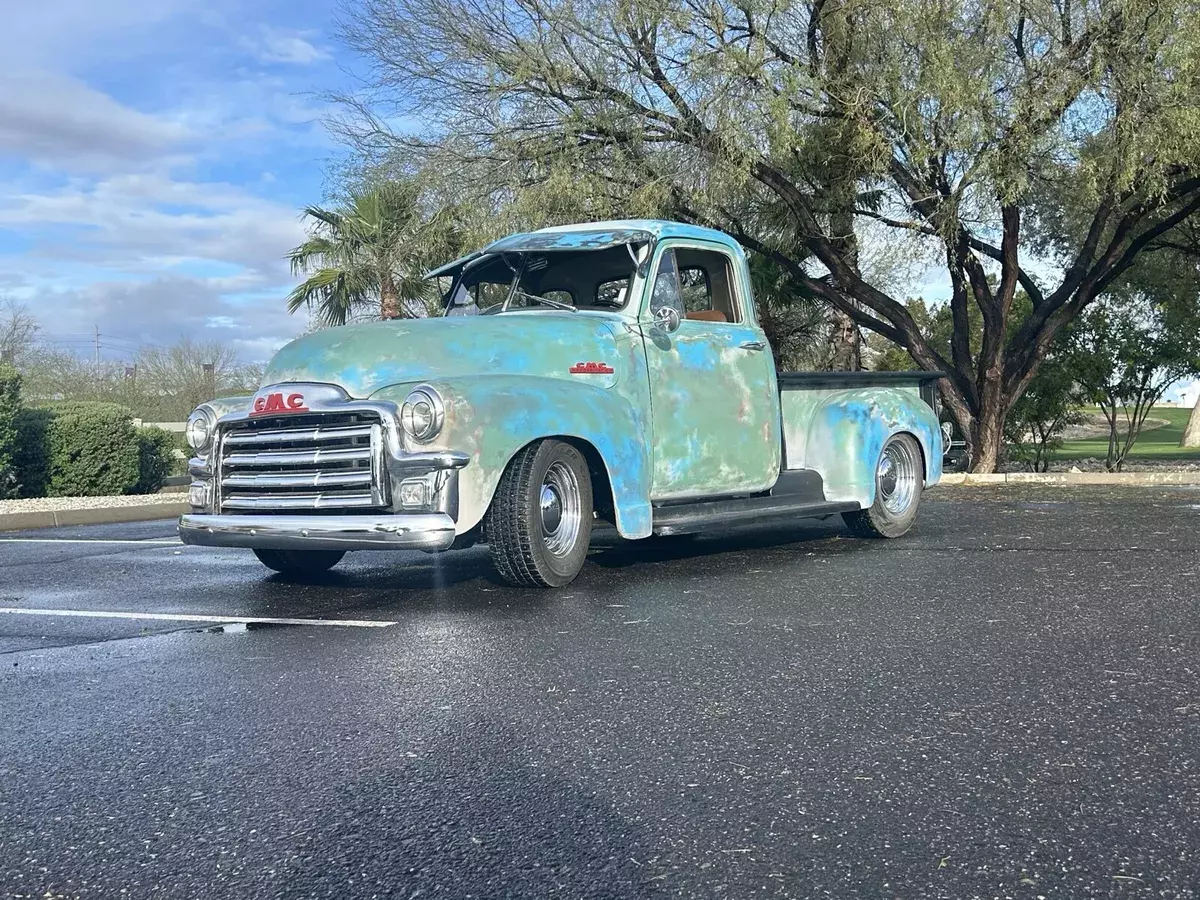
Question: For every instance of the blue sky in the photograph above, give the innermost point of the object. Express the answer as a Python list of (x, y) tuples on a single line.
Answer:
[(154, 156)]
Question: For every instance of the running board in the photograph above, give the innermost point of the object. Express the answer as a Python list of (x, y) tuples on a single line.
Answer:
[(687, 518)]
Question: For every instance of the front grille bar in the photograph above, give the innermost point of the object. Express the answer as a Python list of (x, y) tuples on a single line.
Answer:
[(272, 458), (293, 435), (299, 501), (326, 461), (297, 479)]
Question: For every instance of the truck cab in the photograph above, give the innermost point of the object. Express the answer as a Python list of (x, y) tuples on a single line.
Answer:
[(611, 370)]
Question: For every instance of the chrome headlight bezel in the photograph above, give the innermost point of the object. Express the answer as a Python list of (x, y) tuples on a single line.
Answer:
[(422, 414), (201, 428)]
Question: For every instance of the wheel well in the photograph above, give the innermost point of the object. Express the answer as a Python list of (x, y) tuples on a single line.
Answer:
[(602, 494), (921, 450)]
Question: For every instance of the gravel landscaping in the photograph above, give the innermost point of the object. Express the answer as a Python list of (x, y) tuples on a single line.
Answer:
[(58, 504)]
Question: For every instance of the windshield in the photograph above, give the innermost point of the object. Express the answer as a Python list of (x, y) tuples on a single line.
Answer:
[(574, 279)]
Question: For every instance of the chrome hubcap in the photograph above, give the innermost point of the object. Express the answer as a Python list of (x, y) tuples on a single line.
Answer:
[(551, 509), (560, 505), (897, 476)]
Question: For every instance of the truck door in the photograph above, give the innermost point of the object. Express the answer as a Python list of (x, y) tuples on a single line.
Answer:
[(714, 401)]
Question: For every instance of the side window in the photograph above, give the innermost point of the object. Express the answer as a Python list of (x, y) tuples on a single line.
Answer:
[(697, 294), (709, 285), (666, 285)]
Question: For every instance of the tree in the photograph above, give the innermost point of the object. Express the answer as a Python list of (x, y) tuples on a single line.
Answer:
[(167, 383), (1125, 352), (1034, 425), (18, 332), (369, 256), (162, 384), (1033, 144), (791, 317)]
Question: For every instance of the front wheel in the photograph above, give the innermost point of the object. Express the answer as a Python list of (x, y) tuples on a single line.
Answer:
[(899, 480), (298, 562), (540, 522)]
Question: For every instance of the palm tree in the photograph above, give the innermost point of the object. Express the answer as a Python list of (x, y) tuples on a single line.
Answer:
[(368, 256)]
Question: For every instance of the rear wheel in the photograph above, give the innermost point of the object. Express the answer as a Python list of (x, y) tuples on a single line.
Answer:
[(540, 522), (300, 562), (899, 480)]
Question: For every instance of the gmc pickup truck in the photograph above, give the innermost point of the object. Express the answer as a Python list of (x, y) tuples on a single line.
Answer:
[(612, 370)]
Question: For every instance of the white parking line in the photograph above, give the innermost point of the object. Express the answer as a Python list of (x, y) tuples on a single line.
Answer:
[(174, 541), (181, 617)]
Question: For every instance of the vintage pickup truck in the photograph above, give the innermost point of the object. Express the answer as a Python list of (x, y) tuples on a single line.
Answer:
[(613, 370)]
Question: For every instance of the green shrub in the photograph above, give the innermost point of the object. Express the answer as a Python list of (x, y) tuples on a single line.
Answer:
[(32, 459), (78, 450), (10, 409), (156, 458)]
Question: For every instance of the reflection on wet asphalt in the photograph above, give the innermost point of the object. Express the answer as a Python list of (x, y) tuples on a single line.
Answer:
[(1001, 704)]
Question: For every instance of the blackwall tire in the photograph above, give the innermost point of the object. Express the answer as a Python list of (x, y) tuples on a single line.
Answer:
[(539, 525), (899, 481), (300, 562)]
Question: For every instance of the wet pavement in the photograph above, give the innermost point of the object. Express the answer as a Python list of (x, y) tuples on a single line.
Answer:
[(1005, 703)]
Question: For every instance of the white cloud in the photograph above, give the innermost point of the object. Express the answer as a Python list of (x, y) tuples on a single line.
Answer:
[(147, 221), (163, 310), (1185, 392), (66, 33), (279, 46), (134, 135), (54, 120)]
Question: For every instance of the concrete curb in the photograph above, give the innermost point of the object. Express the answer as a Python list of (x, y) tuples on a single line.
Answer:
[(100, 516), (1111, 479)]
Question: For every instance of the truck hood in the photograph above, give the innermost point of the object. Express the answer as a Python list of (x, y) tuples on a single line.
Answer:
[(362, 359)]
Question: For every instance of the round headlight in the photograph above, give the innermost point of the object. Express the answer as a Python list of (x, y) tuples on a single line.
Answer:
[(200, 427), (422, 414)]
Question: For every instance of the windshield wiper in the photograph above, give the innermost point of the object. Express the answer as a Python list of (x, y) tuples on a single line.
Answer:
[(557, 304)]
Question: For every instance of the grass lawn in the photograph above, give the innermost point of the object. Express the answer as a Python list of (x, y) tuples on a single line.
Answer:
[(1160, 443)]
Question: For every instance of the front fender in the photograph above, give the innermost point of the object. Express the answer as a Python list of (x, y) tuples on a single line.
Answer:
[(847, 433), (491, 417), (225, 405)]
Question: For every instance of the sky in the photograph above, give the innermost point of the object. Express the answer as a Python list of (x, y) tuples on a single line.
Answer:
[(154, 158)]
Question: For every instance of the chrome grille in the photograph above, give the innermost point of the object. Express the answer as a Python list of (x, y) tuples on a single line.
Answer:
[(319, 461)]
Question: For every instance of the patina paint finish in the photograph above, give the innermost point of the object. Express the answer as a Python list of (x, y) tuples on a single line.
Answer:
[(362, 359), (715, 411), (691, 413), (491, 418), (506, 380), (715, 406), (224, 405), (840, 433)]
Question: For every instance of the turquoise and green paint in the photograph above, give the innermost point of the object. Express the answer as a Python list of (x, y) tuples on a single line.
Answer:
[(840, 433), (693, 413)]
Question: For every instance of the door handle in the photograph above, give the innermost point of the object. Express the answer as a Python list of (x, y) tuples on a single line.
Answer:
[(754, 345)]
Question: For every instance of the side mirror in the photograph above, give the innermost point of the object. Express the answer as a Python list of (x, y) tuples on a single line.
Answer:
[(667, 318)]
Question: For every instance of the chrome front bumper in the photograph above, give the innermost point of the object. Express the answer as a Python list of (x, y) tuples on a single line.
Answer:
[(416, 531)]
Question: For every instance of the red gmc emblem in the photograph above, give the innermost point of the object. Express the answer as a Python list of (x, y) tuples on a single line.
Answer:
[(591, 368), (276, 403)]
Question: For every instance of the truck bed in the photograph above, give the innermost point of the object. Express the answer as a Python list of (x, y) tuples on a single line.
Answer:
[(807, 381)]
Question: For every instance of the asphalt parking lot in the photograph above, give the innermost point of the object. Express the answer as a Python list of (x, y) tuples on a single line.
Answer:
[(1003, 704)]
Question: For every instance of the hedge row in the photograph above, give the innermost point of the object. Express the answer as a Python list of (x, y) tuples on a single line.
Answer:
[(10, 408), (76, 449)]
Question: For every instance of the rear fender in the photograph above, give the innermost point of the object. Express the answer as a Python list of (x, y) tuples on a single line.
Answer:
[(847, 433)]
